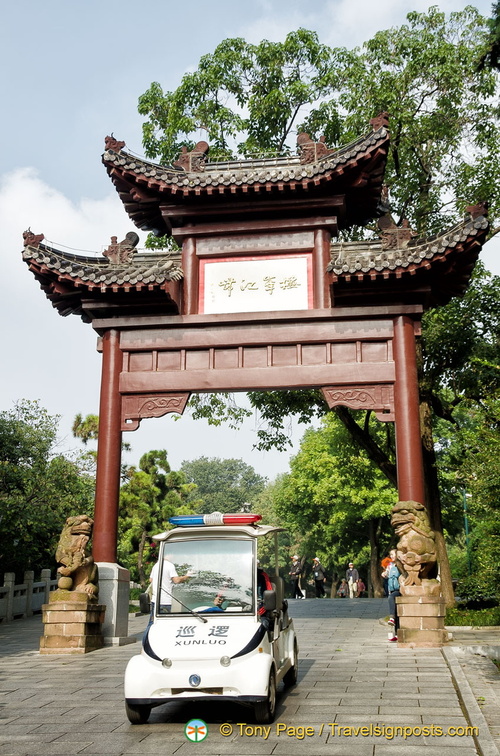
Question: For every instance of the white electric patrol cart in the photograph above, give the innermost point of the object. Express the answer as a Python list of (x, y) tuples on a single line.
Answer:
[(223, 633)]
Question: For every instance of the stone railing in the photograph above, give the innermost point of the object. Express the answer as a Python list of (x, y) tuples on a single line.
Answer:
[(27, 598)]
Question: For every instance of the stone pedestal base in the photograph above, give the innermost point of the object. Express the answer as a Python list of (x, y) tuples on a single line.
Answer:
[(421, 621), (72, 627), (114, 592)]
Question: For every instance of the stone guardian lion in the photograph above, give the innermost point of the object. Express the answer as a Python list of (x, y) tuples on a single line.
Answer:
[(76, 571), (416, 546)]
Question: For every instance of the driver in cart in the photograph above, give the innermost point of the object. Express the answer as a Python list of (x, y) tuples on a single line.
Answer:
[(263, 584), (220, 604)]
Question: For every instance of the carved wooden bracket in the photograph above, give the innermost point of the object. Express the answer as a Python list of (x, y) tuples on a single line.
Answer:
[(138, 406), (379, 398)]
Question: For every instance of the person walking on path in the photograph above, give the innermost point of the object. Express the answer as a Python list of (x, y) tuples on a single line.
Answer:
[(393, 574), (319, 578), (352, 577), (295, 573)]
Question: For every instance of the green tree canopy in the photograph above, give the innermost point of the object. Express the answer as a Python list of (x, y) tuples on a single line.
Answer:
[(491, 57), (245, 97), (445, 146), (86, 428), (461, 345), (223, 485), (337, 500), (152, 494), (39, 488), (476, 473)]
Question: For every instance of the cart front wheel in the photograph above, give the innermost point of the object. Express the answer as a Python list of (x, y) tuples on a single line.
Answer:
[(265, 710), (137, 713), (290, 678)]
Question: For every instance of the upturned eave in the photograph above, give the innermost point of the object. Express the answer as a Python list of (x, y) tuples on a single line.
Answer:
[(68, 279), (440, 266)]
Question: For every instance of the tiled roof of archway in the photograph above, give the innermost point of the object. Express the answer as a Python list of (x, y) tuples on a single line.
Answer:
[(279, 170), (66, 278), (356, 168)]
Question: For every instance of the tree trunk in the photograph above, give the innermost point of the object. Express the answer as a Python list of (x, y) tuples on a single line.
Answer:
[(333, 588), (433, 502), (433, 499), (375, 580), (363, 439)]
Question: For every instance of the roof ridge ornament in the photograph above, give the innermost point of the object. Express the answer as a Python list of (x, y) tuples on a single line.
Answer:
[(192, 161), (380, 121), (31, 239), (394, 236), (122, 252), (110, 143), (311, 151), (478, 210)]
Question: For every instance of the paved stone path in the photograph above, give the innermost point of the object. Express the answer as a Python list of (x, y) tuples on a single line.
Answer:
[(353, 688)]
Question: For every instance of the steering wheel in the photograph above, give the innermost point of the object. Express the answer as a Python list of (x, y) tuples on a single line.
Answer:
[(238, 603)]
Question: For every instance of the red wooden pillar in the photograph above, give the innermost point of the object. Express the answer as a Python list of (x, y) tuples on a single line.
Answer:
[(407, 415), (191, 276), (322, 253), (109, 447)]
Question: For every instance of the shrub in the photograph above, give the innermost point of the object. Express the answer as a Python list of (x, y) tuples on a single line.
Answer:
[(476, 592), (474, 618)]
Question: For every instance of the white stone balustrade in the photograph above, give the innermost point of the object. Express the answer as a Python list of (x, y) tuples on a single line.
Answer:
[(24, 599)]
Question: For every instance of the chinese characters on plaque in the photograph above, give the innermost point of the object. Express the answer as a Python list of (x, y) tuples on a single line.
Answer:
[(256, 285)]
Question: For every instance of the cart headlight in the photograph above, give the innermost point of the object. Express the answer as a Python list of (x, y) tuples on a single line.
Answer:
[(167, 662), (194, 680), (225, 661)]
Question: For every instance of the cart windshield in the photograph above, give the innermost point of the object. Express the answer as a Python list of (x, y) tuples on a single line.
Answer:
[(221, 574)]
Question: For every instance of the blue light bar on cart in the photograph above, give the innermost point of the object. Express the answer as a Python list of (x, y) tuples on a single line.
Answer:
[(216, 518)]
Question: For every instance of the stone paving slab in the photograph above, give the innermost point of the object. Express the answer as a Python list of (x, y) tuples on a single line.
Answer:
[(422, 750), (349, 675)]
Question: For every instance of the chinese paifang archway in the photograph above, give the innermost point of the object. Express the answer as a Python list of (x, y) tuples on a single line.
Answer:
[(261, 296)]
